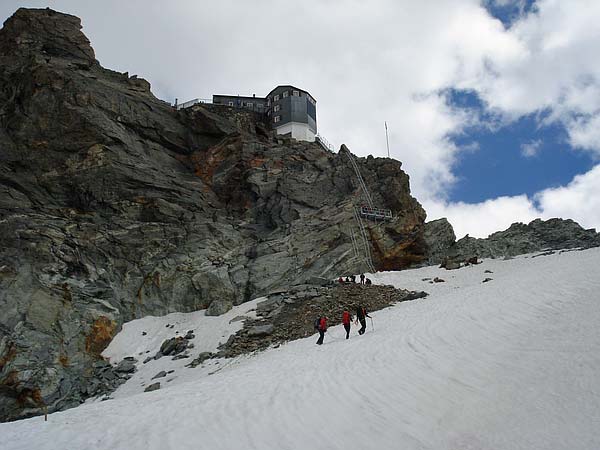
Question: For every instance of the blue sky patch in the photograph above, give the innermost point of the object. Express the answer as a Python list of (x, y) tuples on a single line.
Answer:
[(523, 157), (508, 11)]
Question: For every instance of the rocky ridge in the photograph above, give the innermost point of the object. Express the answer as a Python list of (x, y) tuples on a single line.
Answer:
[(518, 239)]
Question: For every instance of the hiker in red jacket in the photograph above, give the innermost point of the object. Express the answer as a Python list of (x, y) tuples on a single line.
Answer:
[(322, 329), (346, 319)]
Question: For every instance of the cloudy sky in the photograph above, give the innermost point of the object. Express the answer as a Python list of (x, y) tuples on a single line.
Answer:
[(492, 106)]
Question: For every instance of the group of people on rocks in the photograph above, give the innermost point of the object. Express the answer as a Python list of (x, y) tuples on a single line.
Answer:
[(352, 279), (361, 316)]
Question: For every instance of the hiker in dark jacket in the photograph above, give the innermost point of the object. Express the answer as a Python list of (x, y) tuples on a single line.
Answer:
[(361, 314), (322, 329), (362, 278), (346, 319)]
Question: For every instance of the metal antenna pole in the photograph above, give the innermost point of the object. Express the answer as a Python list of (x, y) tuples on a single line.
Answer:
[(387, 139)]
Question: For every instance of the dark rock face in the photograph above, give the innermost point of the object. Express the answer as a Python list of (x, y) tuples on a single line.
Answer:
[(114, 206), (439, 237)]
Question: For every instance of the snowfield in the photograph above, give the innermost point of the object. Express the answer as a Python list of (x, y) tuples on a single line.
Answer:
[(513, 363), (209, 332)]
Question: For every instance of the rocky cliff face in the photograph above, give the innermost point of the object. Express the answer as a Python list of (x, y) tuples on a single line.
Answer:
[(518, 239), (114, 206)]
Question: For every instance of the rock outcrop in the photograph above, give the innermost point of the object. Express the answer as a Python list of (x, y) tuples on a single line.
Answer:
[(518, 239), (290, 315), (440, 238), (113, 205)]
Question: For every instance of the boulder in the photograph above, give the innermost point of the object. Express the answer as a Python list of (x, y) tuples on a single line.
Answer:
[(189, 335), (153, 387), (160, 374), (238, 319), (173, 346), (126, 366), (439, 237), (261, 330), (200, 359)]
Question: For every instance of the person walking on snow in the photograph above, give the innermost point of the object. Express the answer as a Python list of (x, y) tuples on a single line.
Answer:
[(361, 315), (322, 328), (346, 319), (362, 278)]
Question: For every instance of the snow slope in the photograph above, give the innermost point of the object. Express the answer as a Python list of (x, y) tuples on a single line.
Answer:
[(509, 364), (210, 331)]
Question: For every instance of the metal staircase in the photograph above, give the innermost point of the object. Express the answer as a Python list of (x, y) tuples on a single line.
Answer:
[(359, 177), (362, 249), (367, 258)]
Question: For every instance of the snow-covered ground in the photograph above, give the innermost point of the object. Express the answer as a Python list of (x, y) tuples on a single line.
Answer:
[(209, 333), (513, 363)]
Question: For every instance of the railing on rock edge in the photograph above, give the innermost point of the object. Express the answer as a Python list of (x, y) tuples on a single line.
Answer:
[(192, 102), (324, 143)]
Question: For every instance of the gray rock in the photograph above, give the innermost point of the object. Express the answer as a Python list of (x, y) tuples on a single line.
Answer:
[(200, 359), (160, 374), (189, 335), (153, 387), (126, 366), (451, 264), (439, 237), (518, 239), (319, 281), (238, 318), (261, 330), (275, 312), (266, 307), (173, 346)]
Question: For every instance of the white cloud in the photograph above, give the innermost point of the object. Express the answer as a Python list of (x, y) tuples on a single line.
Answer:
[(584, 132), (482, 219), (531, 149), (579, 200), (556, 72)]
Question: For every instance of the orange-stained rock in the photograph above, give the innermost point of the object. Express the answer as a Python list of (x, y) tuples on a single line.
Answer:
[(100, 335)]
